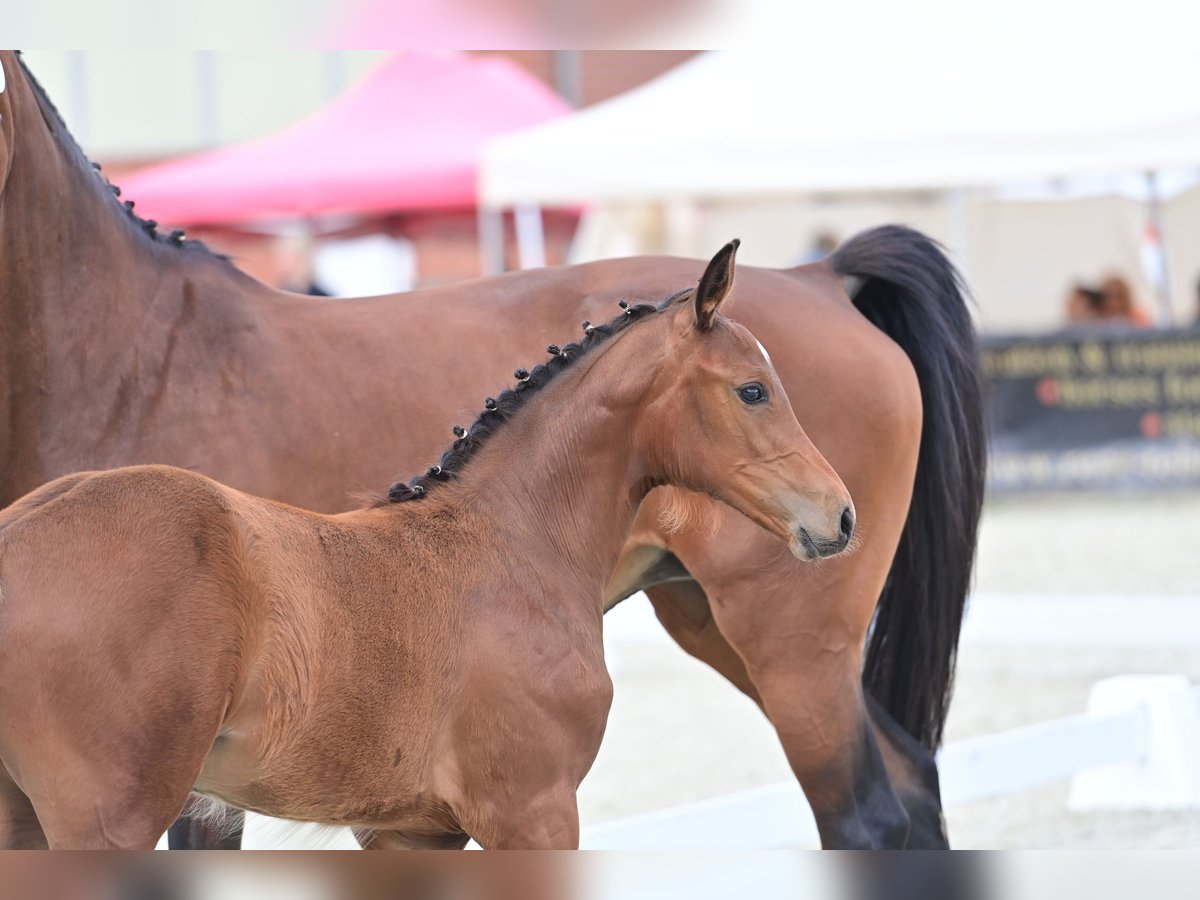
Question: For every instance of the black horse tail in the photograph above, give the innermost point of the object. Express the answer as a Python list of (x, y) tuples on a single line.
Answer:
[(903, 283)]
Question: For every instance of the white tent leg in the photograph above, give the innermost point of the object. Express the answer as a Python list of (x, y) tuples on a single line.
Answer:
[(490, 227), (958, 215), (1161, 265), (531, 239)]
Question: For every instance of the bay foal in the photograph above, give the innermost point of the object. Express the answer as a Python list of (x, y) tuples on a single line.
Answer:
[(424, 670)]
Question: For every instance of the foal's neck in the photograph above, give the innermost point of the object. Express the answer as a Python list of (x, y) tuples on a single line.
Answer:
[(562, 481)]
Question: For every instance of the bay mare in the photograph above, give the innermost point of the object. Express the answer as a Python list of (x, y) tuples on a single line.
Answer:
[(123, 346), (425, 670)]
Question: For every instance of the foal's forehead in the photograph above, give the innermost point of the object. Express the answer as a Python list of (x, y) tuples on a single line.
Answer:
[(763, 350), (745, 343)]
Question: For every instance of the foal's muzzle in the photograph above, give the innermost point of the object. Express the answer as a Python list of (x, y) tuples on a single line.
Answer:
[(805, 546)]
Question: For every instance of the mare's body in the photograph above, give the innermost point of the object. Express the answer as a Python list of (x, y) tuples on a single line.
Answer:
[(120, 349)]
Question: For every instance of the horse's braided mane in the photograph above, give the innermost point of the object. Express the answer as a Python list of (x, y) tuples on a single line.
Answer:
[(147, 226), (499, 410)]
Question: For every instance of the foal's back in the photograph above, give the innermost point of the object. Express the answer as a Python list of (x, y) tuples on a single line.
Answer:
[(212, 620), (105, 564), (123, 562), (116, 588)]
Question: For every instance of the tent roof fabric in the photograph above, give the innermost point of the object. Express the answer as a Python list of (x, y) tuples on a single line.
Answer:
[(407, 137), (737, 124)]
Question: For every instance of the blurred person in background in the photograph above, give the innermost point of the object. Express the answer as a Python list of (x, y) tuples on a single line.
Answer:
[(1120, 307), (1085, 306), (283, 261), (823, 243)]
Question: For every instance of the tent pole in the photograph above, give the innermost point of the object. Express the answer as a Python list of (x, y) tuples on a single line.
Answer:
[(958, 217), (1156, 229), (490, 228), (568, 76), (531, 237)]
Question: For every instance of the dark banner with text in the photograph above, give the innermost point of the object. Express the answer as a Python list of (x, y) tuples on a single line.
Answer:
[(1094, 410)]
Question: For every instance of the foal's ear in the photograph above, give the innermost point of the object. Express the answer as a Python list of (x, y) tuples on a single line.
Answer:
[(715, 284)]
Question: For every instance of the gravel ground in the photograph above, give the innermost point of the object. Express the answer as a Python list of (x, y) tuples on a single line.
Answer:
[(679, 733), (1148, 544)]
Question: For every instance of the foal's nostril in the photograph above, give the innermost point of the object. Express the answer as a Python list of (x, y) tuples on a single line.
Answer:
[(847, 524)]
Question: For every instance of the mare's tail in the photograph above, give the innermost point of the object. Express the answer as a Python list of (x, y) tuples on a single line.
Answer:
[(903, 283)]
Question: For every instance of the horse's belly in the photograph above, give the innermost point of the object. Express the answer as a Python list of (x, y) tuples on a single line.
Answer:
[(311, 779)]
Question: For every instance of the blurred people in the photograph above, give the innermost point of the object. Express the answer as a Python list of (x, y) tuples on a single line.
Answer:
[(823, 243), (281, 259), (1120, 307), (1085, 306), (1109, 304)]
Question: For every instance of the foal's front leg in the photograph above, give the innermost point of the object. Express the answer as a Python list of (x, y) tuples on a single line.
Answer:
[(549, 822), (531, 734)]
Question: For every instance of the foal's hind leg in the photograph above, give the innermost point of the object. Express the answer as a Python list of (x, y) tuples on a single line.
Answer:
[(86, 805), (19, 826), (109, 817)]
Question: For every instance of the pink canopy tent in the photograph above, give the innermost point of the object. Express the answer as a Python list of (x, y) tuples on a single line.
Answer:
[(408, 137)]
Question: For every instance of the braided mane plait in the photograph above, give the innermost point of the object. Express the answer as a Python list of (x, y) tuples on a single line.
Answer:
[(498, 410), (147, 226)]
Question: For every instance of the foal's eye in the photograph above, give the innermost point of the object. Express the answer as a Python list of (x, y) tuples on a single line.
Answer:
[(752, 393)]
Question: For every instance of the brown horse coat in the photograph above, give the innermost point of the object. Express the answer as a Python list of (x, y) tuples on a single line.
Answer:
[(118, 348), (427, 669)]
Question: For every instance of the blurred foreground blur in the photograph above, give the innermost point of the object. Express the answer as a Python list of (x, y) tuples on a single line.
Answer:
[(558, 876)]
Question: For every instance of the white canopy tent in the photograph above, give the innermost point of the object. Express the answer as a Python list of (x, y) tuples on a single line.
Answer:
[(927, 137), (739, 124)]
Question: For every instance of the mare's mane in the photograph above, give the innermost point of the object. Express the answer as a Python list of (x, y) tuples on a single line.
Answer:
[(58, 128), (499, 410)]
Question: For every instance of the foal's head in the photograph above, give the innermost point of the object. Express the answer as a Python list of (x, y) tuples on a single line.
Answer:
[(722, 424)]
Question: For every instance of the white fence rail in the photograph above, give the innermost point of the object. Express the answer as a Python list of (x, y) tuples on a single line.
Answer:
[(1137, 747)]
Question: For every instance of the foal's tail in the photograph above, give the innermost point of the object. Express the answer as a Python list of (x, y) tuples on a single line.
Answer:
[(903, 283)]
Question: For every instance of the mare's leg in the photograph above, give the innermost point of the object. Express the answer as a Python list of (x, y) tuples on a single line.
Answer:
[(190, 834), (913, 770), (683, 610), (798, 630), (370, 839), (809, 680), (19, 826)]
